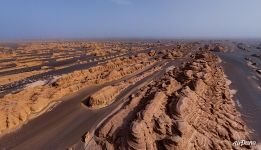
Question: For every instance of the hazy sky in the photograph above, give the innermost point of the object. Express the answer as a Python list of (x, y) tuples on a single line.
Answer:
[(28, 19)]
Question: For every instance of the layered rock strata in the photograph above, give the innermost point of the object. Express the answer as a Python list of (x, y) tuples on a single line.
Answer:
[(16, 109), (190, 107)]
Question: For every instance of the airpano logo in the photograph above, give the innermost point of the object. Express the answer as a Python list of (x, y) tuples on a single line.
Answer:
[(244, 143)]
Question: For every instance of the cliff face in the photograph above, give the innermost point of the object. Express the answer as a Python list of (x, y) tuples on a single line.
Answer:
[(190, 107)]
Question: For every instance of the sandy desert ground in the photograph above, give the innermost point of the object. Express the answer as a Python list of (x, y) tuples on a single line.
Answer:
[(144, 94)]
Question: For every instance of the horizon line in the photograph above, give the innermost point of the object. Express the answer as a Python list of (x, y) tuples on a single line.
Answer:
[(124, 38)]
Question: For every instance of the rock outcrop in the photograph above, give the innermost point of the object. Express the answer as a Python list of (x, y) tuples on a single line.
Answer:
[(16, 109), (190, 107), (105, 96)]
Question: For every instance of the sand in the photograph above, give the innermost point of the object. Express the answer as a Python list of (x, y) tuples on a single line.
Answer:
[(189, 108), (17, 109)]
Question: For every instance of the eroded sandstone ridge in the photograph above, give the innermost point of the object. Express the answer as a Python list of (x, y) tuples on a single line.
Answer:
[(107, 95), (190, 107), (16, 109)]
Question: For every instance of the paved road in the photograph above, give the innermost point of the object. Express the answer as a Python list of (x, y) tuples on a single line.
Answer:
[(7, 88), (66, 123), (18, 85)]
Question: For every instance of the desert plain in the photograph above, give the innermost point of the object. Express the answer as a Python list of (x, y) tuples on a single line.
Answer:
[(130, 94)]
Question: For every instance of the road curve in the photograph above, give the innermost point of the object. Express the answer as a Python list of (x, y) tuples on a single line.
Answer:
[(66, 123)]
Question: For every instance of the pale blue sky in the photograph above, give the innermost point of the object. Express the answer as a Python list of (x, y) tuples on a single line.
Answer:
[(29, 19)]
